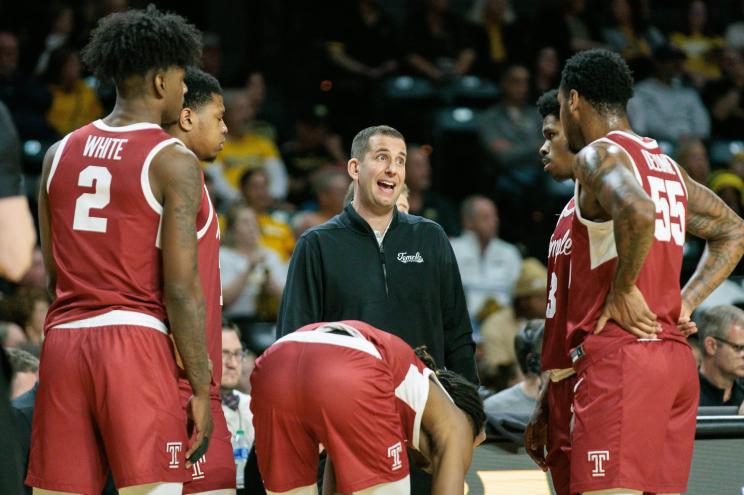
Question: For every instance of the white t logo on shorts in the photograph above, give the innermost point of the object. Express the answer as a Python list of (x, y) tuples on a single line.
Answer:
[(395, 452), (598, 456), (174, 448)]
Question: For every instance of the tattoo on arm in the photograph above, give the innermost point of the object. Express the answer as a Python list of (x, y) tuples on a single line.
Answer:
[(709, 218), (601, 170)]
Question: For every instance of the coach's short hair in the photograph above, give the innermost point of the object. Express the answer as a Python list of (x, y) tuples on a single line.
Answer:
[(600, 76), (360, 144), (201, 87), (548, 104), (134, 42), (715, 321)]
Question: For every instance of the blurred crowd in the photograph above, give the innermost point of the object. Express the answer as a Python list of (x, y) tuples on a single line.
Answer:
[(458, 78)]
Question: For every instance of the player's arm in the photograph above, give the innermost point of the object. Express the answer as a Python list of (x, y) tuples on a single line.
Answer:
[(709, 218), (451, 442), (536, 433), (178, 180), (45, 233), (604, 172)]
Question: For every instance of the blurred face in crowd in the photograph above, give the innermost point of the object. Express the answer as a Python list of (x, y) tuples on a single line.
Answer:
[(728, 360), (483, 219), (695, 161), (547, 62), (697, 16), (245, 228), (256, 192), (418, 169), (621, 11), (232, 359), (516, 85), (380, 174), (331, 197), (239, 110), (556, 157), (206, 128), (8, 54), (71, 70)]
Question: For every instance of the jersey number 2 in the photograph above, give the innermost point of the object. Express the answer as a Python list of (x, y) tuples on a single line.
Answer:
[(671, 225), (101, 177)]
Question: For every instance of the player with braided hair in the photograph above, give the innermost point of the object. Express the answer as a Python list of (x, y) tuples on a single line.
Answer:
[(366, 396)]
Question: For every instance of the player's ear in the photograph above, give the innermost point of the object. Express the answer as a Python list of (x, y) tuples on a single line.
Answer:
[(573, 100), (159, 83), (353, 168), (187, 119)]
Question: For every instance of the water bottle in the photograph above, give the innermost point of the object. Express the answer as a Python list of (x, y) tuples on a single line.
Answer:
[(240, 454)]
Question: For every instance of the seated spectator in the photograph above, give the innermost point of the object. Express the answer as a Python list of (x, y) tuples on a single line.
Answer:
[(520, 399), (330, 187), (235, 404), (74, 103), (693, 157), (730, 188), (663, 107), (439, 45), (315, 147), (245, 150), (500, 39), (489, 266), (61, 32), (630, 34), (11, 335), (255, 87), (547, 72), (496, 367), (25, 369), (700, 43), (27, 307), (422, 200), (725, 97), (276, 233), (721, 333), (511, 130), (567, 25), (252, 275), (735, 30)]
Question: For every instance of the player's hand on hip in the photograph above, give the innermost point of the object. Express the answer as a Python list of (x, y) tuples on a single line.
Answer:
[(629, 310), (685, 323), (200, 414), (536, 436)]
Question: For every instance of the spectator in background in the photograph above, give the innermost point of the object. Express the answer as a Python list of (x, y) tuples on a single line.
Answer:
[(11, 335), (735, 30), (499, 328), (730, 188), (663, 107), (275, 232), (547, 72), (316, 146), (725, 97), (330, 187), (566, 24), (252, 275), (245, 150), (520, 399), (27, 307), (489, 266), (61, 28), (510, 130), (422, 200), (255, 87), (439, 45), (500, 39), (74, 103), (630, 33), (17, 233), (701, 45), (693, 157), (211, 54), (721, 333), (25, 368), (235, 404)]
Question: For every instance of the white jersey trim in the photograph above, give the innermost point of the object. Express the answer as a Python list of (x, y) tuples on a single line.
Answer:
[(414, 391), (322, 337), (145, 175), (652, 144), (118, 317), (139, 126), (55, 160), (601, 236), (204, 229)]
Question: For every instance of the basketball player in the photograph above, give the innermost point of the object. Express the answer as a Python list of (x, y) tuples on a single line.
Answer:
[(549, 427), (637, 391), (118, 209), (201, 129), (366, 396)]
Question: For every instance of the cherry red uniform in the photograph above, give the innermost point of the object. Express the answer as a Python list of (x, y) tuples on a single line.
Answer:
[(360, 393), (635, 400), (108, 394), (554, 355), (216, 469)]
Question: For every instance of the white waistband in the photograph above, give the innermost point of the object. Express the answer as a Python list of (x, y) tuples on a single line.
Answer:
[(117, 317), (322, 337)]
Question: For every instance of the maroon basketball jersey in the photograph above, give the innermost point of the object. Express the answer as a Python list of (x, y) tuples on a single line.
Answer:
[(105, 222), (554, 348), (594, 254)]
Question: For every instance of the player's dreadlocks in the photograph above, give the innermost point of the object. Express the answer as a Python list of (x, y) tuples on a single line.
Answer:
[(202, 87), (548, 104), (463, 393), (600, 76), (135, 42)]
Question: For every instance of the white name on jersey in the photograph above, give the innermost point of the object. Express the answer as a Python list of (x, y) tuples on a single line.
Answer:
[(105, 148), (659, 163)]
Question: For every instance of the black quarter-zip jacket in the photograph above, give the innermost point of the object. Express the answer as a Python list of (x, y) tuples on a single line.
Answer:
[(409, 286)]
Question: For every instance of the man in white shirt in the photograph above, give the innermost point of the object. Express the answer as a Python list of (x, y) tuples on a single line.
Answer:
[(489, 267), (235, 404)]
